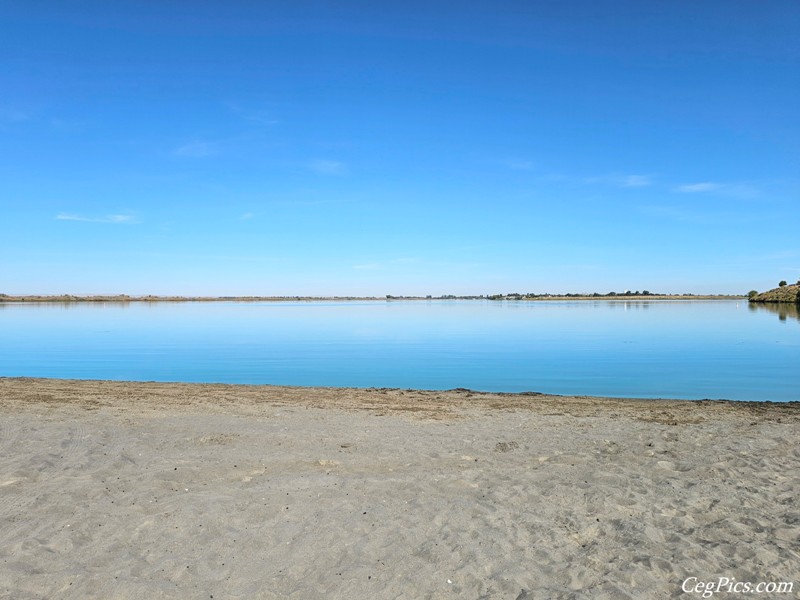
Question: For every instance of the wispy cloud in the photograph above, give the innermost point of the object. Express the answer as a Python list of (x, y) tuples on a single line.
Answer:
[(197, 149), (636, 181), (625, 181), (328, 167), (737, 190), (367, 267), (694, 188), (113, 219), (247, 216)]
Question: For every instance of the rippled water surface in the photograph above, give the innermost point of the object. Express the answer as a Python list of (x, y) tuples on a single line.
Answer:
[(669, 349)]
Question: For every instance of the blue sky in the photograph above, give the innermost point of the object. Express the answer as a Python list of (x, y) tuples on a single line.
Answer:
[(316, 148)]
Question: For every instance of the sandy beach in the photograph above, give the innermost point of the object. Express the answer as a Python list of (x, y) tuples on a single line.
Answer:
[(150, 490)]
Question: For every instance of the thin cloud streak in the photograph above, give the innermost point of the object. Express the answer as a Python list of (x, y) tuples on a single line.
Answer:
[(735, 190), (112, 219), (624, 181), (694, 188), (636, 181)]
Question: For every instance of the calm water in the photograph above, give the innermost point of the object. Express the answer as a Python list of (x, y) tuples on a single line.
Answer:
[(703, 349)]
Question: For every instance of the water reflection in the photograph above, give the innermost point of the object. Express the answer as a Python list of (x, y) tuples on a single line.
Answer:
[(656, 349), (627, 304), (67, 304), (784, 310)]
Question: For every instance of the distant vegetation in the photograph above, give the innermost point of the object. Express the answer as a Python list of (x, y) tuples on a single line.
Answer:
[(784, 293), (123, 298), (533, 295)]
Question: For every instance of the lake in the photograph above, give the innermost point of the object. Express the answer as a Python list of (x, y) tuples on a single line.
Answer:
[(648, 349)]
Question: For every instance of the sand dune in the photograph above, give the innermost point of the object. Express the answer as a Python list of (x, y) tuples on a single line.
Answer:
[(134, 490)]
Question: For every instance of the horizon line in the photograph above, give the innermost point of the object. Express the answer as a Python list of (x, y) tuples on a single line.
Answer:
[(255, 297)]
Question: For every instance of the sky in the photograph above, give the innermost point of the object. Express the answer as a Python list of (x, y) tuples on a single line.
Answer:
[(404, 148)]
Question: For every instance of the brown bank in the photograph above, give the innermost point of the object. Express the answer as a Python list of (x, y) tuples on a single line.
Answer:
[(147, 490)]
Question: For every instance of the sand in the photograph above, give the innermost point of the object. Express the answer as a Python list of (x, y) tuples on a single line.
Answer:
[(148, 490)]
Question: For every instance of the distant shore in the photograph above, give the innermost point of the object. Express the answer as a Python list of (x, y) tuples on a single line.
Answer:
[(122, 298), (783, 294), (144, 490)]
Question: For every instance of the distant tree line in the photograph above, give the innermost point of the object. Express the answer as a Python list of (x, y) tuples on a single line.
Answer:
[(775, 296), (626, 293), (528, 295)]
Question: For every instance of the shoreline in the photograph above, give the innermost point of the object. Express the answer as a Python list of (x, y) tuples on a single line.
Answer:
[(124, 299), (453, 397), (169, 490)]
